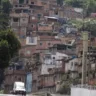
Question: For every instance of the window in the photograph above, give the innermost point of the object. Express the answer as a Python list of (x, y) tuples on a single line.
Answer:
[(71, 64), (43, 3), (28, 33), (81, 52), (26, 1), (32, 2), (56, 12), (39, 16), (16, 5), (40, 43), (23, 19), (15, 19), (75, 63), (48, 57), (69, 42), (80, 75), (20, 5), (49, 43), (18, 11), (31, 25), (15, 77), (21, 1), (31, 40), (54, 62), (46, 10), (33, 11), (19, 79)]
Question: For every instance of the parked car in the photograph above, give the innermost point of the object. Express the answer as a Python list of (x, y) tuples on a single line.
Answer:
[(19, 89)]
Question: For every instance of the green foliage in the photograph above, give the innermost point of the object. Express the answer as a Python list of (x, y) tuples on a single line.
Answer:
[(4, 14), (74, 3), (5, 6), (1, 91), (21, 1), (12, 40), (90, 26), (4, 19), (66, 84), (85, 25), (9, 46), (88, 5), (76, 23), (60, 2), (4, 54)]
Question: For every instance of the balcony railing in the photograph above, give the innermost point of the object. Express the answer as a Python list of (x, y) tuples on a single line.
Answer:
[(19, 15), (45, 29), (9, 72)]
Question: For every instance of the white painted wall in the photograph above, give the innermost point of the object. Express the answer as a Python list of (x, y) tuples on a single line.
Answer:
[(81, 91), (47, 61), (55, 59), (59, 56), (34, 41), (52, 62), (71, 65), (44, 68)]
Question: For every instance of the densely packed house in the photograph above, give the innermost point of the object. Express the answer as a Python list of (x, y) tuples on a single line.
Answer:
[(50, 46)]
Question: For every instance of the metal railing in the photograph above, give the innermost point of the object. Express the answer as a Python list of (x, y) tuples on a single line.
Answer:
[(84, 86)]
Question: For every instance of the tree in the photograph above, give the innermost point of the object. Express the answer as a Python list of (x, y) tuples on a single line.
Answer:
[(12, 45), (74, 3), (9, 46), (4, 21), (6, 6), (88, 5), (85, 25), (9, 43), (4, 54), (66, 83), (90, 26), (60, 2), (4, 58), (4, 14)]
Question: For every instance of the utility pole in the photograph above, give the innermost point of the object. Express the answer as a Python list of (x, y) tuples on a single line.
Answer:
[(84, 57)]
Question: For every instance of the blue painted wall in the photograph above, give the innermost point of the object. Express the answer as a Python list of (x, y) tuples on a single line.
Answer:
[(29, 82)]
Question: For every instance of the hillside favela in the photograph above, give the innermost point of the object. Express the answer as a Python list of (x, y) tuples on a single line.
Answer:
[(47, 47)]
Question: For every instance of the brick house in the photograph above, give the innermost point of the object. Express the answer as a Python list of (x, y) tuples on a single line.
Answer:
[(13, 75), (47, 82), (36, 25)]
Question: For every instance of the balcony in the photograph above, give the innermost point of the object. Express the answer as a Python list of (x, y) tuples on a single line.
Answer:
[(45, 28), (49, 84), (19, 15), (24, 24), (14, 24), (19, 72), (20, 6), (44, 84), (74, 69)]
